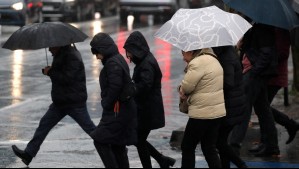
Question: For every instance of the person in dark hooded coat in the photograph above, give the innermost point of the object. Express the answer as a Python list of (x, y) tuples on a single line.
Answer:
[(118, 126), (235, 103), (147, 77)]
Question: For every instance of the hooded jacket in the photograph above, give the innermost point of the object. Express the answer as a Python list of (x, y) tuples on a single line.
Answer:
[(116, 128), (147, 77), (203, 83), (68, 79)]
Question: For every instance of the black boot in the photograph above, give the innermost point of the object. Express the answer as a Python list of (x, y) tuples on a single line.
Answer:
[(292, 131), (26, 158), (167, 162), (268, 153)]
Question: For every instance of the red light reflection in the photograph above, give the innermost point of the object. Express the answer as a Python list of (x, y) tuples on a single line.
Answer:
[(163, 55)]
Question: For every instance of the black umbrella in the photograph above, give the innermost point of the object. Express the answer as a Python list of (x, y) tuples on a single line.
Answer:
[(44, 35)]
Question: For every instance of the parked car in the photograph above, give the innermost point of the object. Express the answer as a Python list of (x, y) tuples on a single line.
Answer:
[(20, 12), (164, 8), (69, 9), (77, 10)]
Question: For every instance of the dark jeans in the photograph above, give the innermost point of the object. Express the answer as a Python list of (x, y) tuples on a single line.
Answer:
[(146, 150), (227, 154), (204, 132), (257, 95), (113, 156), (53, 116), (280, 118)]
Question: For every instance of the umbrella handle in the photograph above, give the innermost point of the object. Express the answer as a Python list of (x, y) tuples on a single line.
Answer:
[(47, 57)]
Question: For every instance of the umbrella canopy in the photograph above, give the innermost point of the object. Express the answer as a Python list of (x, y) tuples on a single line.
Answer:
[(192, 29), (278, 13), (44, 35)]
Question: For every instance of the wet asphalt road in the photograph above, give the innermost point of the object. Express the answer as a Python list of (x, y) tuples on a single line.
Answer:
[(25, 97)]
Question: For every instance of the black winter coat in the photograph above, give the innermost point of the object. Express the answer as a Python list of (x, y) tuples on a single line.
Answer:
[(147, 76), (68, 79), (114, 128), (234, 93), (259, 45)]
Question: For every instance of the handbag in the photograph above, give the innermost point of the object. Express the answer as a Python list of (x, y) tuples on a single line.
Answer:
[(184, 106)]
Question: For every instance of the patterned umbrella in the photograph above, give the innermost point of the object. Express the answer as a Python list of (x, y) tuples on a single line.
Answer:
[(192, 29)]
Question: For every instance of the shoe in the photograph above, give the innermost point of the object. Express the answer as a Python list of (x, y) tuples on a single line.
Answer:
[(268, 153), (292, 131), (167, 162), (257, 148), (26, 158)]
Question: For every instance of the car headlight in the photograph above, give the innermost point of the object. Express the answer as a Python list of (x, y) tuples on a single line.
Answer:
[(18, 6)]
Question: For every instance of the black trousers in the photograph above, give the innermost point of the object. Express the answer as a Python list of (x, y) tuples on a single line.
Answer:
[(279, 117), (113, 156), (257, 94), (146, 150), (227, 154), (204, 132)]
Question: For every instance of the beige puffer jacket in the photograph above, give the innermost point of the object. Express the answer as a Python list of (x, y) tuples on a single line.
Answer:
[(203, 83)]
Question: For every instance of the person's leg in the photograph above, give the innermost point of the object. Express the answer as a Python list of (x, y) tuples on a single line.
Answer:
[(209, 141), (164, 162), (121, 155), (192, 136), (267, 123), (107, 155), (143, 150), (222, 146), (81, 116), (226, 152), (50, 120), (239, 131), (282, 119)]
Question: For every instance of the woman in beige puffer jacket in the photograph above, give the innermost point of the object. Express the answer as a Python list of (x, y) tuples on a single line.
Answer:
[(203, 88)]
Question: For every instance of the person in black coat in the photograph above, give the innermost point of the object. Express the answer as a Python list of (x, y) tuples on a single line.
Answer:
[(259, 65), (69, 95), (235, 103), (147, 77), (118, 126)]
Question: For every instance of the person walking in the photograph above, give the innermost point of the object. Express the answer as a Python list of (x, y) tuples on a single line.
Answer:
[(283, 43), (69, 95), (259, 65), (147, 77), (235, 103), (118, 126), (203, 88)]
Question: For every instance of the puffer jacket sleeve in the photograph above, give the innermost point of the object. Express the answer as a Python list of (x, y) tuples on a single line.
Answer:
[(115, 85), (195, 73), (69, 73)]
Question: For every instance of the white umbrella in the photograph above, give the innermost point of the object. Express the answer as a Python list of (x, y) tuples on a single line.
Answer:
[(192, 29)]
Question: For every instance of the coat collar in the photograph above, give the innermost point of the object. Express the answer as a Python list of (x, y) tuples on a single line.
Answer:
[(206, 51)]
